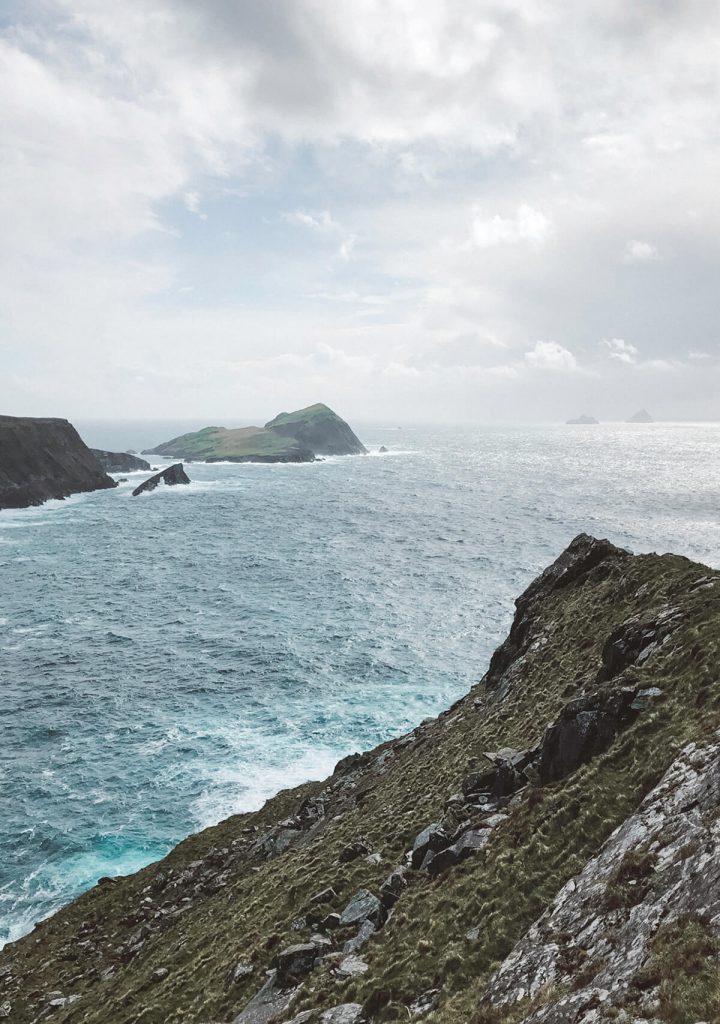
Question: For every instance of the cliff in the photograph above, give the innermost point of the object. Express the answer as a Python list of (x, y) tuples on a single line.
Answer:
[(42, 459), (291, 437), (543, 851), (119, 462)]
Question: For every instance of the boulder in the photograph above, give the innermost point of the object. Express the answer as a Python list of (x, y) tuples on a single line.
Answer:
[(364, 906), (171, 476), (586, 727), (432, 839), (345, 1013), (392, 889), (468, 843), (294, 962), (269, 1004)]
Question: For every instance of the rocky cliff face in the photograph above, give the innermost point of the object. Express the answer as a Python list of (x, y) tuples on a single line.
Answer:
[(543, 851), (42, 459)]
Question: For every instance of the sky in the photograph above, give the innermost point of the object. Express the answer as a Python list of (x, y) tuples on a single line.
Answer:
[(474, 211)]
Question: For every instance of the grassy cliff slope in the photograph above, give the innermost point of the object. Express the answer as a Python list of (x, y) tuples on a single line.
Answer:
[(618, 652)]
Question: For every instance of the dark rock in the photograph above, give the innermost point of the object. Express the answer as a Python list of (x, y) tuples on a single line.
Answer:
[(382, 449), (586, 727), (584, 556), (295, 962), (359, 847), (170, 477), (42, 459), (268, 1005), (633, 642), (364, 906), (430, 840), (392, 889), (330, 923), (119, 462), (160, 974), (468, 843)]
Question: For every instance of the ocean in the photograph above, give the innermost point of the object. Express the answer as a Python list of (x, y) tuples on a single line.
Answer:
[(172, 659)]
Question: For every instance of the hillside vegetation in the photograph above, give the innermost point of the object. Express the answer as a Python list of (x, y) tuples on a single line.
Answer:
[(399, 887)]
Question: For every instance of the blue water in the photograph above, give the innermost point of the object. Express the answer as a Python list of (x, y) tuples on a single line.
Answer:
[(170, 659)]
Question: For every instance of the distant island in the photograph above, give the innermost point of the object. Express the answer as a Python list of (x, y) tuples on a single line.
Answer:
[(585, 420), (643, 416), (299, 436)]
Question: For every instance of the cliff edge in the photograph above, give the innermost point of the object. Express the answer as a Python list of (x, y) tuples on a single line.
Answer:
[(544, 851), (42, 459)]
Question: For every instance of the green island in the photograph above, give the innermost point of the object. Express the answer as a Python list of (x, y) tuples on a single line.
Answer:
[(300, 436), (544, 849)]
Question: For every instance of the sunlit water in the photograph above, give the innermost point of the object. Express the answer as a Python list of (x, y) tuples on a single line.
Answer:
[(171, 659)]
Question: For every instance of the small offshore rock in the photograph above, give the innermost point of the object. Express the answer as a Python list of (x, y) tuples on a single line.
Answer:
[(171, 476)]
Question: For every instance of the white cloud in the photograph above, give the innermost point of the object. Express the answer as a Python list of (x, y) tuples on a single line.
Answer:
[(548, 355), (620, 349), (527, 225), (639, 252), (429, 150)]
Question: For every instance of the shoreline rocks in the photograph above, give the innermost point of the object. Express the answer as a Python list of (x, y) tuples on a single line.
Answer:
[(171, 477)]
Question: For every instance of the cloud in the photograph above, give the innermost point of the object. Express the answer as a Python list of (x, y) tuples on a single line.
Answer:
[(548, 355), (620, 349), (419, 167), (323, 223), (639, 252), (527, 225)]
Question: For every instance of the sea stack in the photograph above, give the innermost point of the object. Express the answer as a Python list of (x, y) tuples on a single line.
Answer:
[(643, 416), (171, 476), (42, 459)]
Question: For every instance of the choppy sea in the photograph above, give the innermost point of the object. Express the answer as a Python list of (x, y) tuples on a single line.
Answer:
[(168, 660)]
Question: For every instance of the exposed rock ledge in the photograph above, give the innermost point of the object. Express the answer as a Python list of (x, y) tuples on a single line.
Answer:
[(42, 459)]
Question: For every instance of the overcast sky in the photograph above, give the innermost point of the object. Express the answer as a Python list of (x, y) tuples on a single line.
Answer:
[(451, 211)]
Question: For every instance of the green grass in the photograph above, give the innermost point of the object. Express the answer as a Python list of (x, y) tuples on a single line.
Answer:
[(547, 838)]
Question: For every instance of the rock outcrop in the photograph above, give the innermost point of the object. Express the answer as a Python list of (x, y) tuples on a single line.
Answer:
[(42, 459), (170, 477), (642, 416), (544, 851), (299, 436), (583, 420), (119, 462)]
